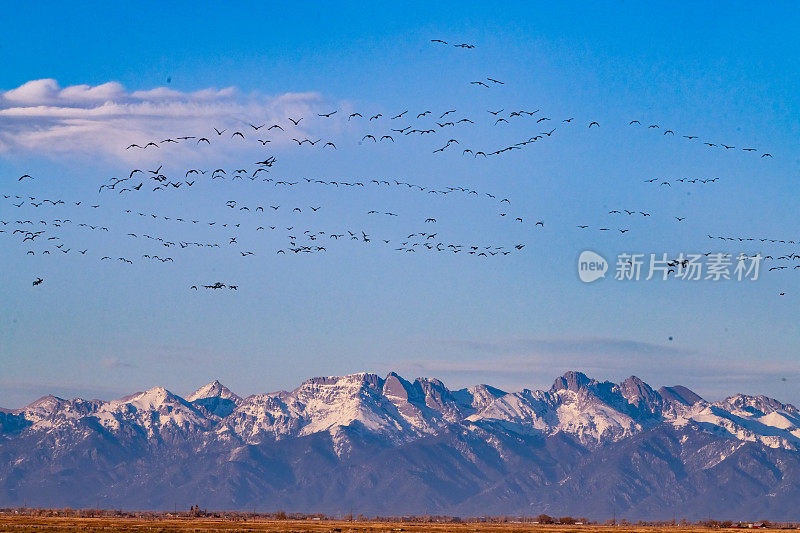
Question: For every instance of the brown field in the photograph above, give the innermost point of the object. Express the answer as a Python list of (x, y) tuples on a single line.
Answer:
[(25, 524)]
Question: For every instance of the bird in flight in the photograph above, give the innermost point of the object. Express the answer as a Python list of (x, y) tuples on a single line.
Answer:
[(37, 281)]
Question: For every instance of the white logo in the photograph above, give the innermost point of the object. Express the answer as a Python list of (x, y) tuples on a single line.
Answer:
[(591, 266)]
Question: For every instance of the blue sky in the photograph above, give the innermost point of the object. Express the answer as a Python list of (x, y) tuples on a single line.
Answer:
[(99, 328)]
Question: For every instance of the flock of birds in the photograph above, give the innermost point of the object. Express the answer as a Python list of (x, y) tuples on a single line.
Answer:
[(306, 241), (42, 235), (425, 123)]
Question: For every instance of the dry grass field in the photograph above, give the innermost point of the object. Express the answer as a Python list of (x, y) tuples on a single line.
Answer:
[(26, 524)]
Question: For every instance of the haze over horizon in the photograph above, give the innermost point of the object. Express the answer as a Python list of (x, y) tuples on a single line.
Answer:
[(106, 395)]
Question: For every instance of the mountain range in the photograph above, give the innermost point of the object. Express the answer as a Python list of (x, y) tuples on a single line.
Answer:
[(389, 446)]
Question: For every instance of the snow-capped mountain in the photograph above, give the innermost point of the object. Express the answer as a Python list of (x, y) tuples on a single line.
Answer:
[(392, 446), (215, 398)]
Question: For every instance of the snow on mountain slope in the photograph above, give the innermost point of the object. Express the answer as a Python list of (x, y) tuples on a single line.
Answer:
[(342, 401), (215, 389), (477, 397), (422, 405), (153, 411), (48, 407), (260, 417), (747, 418), (215, 398), (427, 405), (399, 411), (392, 408), (575, 404), (521, 411)]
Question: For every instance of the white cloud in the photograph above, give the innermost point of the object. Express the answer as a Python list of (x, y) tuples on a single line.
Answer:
[(86, 93), (42, 118), (32, 92)]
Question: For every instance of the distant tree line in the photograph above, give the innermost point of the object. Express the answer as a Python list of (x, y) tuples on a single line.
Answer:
[(195, 511)]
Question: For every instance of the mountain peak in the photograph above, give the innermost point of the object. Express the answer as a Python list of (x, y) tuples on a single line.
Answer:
[(634, 380), (679, 394), (215, 389), (150, 398), (394, 386), (635, 389), (641, 395), (43, 407), (573, 381), (48, 400)]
